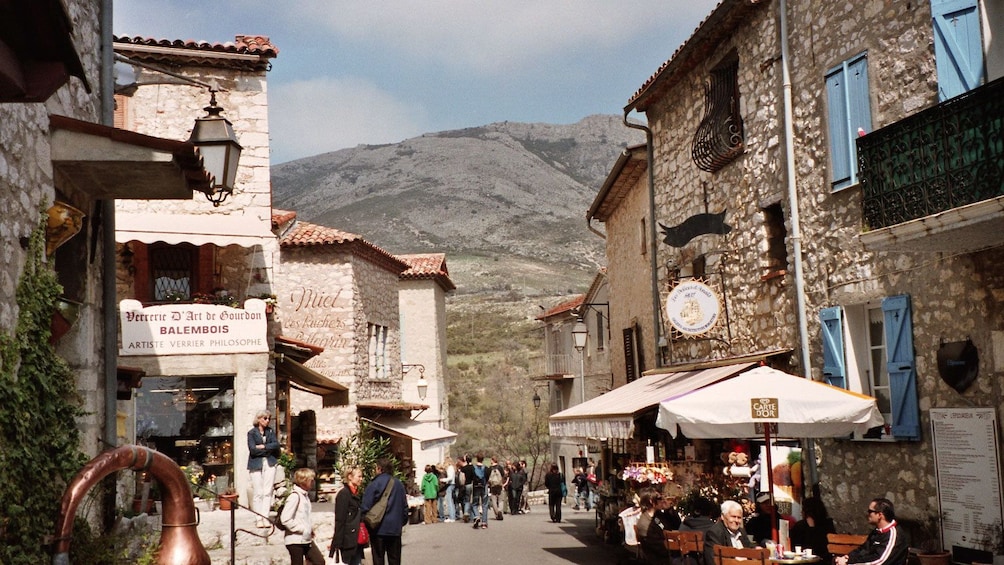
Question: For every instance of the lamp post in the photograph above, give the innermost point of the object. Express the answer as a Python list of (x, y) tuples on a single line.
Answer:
[(214, 136), (579, 333)]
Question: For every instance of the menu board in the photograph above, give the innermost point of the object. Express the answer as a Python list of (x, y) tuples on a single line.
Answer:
[(967, 467)]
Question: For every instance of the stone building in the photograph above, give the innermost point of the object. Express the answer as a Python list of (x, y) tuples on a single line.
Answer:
[(575, 367), (344, 295), (198, 261), (422, 293), (830, 173)]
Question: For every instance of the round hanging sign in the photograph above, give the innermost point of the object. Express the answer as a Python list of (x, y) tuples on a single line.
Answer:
[(693, 308)]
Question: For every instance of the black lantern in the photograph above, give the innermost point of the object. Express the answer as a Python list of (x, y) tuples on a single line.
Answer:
[(536, 400), (214, 136)]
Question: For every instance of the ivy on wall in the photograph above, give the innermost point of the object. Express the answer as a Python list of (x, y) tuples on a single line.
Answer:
[(39, 439)]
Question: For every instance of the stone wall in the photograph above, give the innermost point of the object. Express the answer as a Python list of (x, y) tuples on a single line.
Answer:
[(629, 275), (953, 296), (327, 297), (27, 189)]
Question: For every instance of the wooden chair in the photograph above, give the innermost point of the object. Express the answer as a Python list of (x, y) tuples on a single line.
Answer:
[(672, 541), (692, 542), (726, 555), (842, 544)]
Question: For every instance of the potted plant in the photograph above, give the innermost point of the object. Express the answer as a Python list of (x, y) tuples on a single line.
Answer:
[(228, 498), (992, 541), (927, 537)]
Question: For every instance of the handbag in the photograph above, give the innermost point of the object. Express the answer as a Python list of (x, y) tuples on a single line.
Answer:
[(364, 535), (375, 514)]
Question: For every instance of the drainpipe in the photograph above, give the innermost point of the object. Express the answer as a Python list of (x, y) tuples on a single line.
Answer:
[(108, 262), (796, 230), (656, 317)]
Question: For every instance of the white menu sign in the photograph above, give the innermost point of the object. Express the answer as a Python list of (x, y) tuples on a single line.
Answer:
[(192, 329), (967, 468)]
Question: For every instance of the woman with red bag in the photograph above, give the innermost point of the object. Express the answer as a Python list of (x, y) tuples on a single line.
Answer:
[(350, 537)]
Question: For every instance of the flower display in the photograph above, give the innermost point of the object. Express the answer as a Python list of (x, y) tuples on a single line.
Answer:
[(717, 487), (642, 473)]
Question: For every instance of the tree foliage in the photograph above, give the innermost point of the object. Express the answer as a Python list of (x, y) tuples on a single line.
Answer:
[(363, 449), (39, 449)]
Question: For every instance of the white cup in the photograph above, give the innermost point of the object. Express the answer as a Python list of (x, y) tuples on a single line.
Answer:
[(798, 549), (807, 552)]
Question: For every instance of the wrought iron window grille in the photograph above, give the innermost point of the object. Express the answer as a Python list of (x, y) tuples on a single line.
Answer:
[(719, 137)]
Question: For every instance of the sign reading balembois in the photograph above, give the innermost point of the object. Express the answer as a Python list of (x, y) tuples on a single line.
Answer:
[(192, 329)]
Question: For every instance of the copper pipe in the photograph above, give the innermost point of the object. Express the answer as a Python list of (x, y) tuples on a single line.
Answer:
[(179, 538)]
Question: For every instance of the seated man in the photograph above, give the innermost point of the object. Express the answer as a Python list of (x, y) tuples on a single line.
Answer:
[(727, 531), (886, 544)]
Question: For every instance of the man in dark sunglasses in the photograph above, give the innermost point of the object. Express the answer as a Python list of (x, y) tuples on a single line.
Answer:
[(886, 544)]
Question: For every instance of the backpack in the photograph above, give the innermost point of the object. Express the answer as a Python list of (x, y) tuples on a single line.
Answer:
[(460, 478), (479, 475), (495, 478), (277, 520), (374, 515)]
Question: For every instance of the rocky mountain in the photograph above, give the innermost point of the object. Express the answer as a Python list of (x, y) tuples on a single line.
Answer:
[(502, 199)]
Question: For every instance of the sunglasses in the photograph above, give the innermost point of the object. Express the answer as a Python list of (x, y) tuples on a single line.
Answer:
[(870, 512)]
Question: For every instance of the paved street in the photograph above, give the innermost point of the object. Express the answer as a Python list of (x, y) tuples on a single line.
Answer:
[(526, 539)]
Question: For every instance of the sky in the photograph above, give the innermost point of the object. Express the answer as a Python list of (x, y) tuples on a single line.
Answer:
[(352, 72)]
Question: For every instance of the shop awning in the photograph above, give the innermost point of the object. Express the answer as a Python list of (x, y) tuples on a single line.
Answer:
[(612, 415), (218, 229), (307, 379), (113, 163), (428, 433)]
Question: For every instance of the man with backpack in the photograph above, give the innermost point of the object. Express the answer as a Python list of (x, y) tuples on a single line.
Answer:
[(497, 482), (479, 498), (387, 497)]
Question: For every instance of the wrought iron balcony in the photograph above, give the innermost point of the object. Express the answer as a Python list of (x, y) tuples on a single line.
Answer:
[(947, 158)]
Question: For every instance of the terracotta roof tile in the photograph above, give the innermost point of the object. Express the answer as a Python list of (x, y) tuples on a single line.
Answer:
[(242, 44), (252, 52), (281, 217), (427, 266), (305, 235), (563, 307)]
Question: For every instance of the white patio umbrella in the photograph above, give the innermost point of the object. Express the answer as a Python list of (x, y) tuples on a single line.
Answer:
[(765, 402)]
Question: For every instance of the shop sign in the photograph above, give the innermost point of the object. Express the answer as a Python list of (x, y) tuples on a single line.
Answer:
[(192, 329), (764, 408), (693, 308)]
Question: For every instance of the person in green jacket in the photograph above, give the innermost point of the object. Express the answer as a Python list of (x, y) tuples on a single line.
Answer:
[(430, 492)]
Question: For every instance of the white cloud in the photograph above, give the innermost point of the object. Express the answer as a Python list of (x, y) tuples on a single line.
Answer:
[(315, 116), (501, 35)]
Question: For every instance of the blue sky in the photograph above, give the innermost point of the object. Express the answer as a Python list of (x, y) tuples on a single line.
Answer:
[(353, 72)]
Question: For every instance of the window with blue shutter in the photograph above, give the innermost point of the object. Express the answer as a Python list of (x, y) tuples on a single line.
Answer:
[(958, 46), (832, 328), (849, 109), (901, 366)]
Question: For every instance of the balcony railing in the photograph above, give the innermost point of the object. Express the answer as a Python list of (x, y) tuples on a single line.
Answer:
[(552, 365), (942, 158)]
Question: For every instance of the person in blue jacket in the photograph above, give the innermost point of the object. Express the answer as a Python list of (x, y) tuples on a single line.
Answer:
[(385, 537), (263, 453)]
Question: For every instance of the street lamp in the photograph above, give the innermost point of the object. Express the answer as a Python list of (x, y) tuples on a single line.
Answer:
[(423, 387), (422, 384), (214, 136), (579, 333), (536, 400)]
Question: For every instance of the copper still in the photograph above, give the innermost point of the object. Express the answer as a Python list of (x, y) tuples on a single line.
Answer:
[(179, 539)]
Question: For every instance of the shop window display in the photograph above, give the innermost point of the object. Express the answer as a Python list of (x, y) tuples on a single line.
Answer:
[(191, 420)]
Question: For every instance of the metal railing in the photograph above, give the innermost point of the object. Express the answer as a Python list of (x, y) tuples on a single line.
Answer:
[(941, 158)]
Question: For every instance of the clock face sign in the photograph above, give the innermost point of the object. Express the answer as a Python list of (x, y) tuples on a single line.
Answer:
[(693, 308)]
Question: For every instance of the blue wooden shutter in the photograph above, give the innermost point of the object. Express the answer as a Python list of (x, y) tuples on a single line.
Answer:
[(836, 95), (901, 366), (849, 111), (832, 329), (958, 46)]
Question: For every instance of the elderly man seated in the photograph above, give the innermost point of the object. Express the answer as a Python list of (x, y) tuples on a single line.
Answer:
[(727, 531)]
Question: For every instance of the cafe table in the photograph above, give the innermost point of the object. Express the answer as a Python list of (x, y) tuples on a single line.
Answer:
[(795, 560)]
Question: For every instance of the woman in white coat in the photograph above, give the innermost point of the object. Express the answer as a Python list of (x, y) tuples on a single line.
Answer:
[(295, 517)]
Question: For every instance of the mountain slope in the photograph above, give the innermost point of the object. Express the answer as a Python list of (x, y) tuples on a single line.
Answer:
[(506, 192)]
